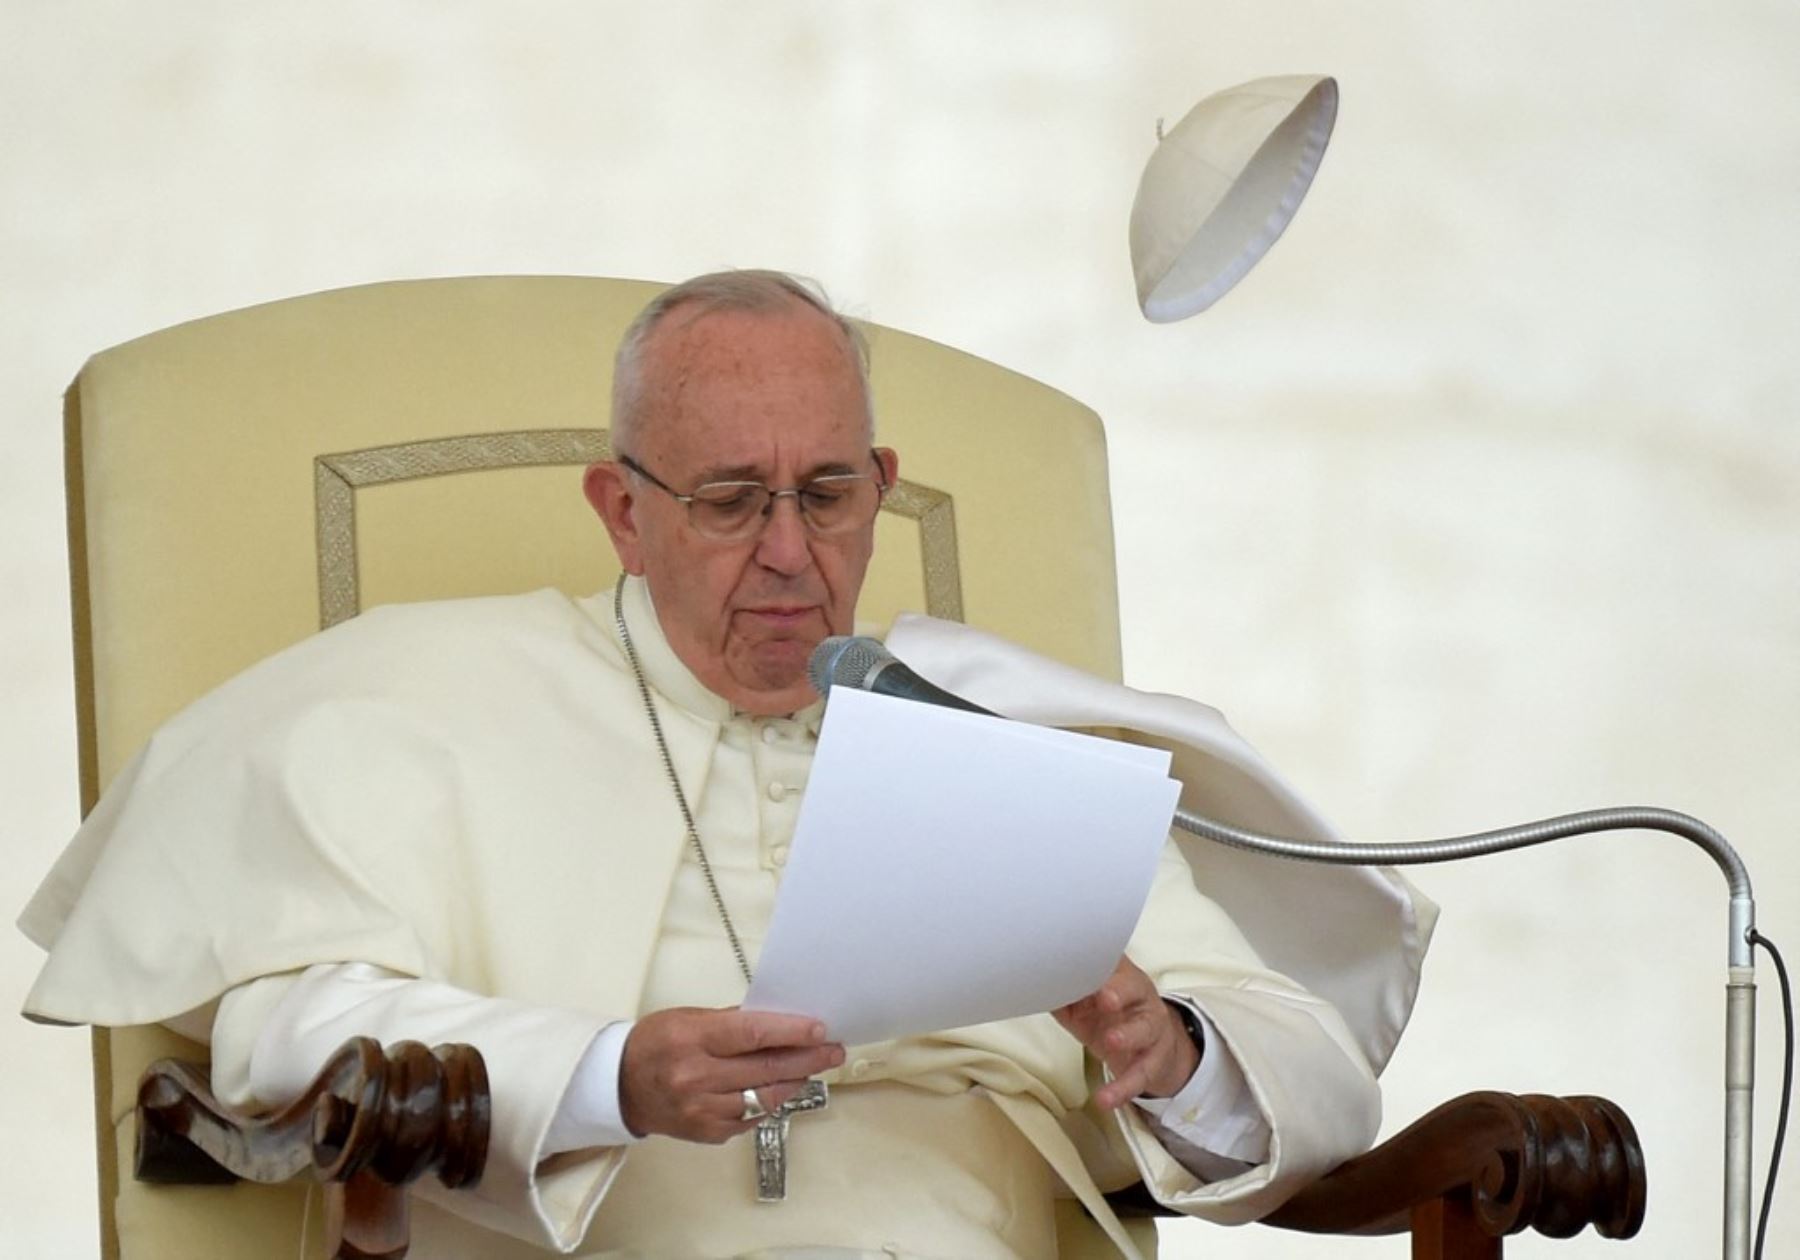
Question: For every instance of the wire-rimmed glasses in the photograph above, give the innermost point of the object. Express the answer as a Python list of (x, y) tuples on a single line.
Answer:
[(734, 511)]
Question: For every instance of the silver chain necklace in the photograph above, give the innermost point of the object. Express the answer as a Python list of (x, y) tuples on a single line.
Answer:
[(771, 1129), (662, 747)]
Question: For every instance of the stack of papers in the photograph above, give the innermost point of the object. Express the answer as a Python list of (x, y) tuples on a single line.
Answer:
[(950, 868)]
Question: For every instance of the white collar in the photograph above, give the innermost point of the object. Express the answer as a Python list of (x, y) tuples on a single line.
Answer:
[(668, 675)]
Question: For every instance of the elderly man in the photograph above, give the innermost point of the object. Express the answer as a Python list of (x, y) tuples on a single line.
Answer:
[(556, 829)]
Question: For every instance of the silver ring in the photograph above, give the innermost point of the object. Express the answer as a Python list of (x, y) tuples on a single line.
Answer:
[(753, 1108)]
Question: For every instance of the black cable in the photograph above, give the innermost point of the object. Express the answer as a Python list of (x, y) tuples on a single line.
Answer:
[(1787, 1085)]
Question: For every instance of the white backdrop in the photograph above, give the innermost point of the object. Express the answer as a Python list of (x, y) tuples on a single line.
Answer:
[(1479, 500)]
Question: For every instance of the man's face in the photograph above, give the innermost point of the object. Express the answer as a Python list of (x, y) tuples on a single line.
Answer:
[(769, 396)]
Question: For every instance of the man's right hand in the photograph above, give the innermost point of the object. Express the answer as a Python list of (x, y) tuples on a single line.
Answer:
[(684, 1070)]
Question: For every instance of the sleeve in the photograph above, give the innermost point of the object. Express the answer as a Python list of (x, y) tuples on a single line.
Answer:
[(1212, 1126), (590, 1113), (547, 1171), (1305, 1077)]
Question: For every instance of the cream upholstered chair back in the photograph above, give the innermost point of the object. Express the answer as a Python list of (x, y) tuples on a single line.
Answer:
[(238, 482)]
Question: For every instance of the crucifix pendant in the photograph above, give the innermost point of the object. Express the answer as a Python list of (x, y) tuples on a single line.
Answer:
[(771, 1140)]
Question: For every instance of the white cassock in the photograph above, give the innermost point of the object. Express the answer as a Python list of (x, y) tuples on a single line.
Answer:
[(469, 793)]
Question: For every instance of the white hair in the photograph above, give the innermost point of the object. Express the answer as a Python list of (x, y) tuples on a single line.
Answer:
[(746, 290)]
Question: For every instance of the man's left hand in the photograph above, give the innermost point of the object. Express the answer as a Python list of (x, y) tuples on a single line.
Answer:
[(1127, 1026)]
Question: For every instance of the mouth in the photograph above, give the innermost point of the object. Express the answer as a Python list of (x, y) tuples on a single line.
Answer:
[(781, 616)]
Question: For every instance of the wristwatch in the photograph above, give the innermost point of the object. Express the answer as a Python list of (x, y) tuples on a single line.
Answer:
[(1196, 1031)]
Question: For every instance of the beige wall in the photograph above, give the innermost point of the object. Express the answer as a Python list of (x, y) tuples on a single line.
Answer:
[(1479, 501)]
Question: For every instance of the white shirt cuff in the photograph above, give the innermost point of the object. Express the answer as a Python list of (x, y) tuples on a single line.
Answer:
[(1214, 1112), (589, 1113)]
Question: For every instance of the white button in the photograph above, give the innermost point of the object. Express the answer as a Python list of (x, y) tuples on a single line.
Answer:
[(859, 1069), (771, 735), (778, 791), (778, 855)]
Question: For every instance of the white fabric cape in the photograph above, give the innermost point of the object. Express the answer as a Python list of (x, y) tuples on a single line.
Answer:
[(343, 801), (1355, 936)]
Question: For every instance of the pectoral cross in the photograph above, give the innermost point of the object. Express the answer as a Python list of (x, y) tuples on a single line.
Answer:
[(771, 1140)]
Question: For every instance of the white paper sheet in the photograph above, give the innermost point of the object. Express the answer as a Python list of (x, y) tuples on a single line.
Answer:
[(950, 869)]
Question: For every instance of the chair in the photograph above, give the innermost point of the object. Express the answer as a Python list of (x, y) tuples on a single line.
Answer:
[(239, 482)]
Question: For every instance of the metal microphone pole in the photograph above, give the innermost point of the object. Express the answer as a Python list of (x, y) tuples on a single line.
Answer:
[(1740, 974), (867, 664)]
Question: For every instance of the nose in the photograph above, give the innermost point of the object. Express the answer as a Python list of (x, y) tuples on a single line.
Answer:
[(784, 544)]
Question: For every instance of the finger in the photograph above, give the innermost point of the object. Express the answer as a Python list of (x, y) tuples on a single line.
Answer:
[(1139, 1031), (738, 1032), (773, 1096), (730, 1118), (1127, 986), (752, 1071), (726, 1118), (1078, 1019), (711, 1118), (1102, 1004), (769, 1097), (1124, 1086), (1109, 1034)]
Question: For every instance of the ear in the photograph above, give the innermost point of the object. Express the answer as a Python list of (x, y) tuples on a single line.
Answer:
[(609, 492), (889, 459)]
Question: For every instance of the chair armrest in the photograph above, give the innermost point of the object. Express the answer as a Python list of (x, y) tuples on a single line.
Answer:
[(1478, 1168), (370, 1122), (1556, 1165)]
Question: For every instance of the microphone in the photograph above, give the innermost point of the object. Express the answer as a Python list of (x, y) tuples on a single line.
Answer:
[(863, 663)]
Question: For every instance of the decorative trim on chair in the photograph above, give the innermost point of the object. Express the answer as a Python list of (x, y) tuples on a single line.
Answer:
[(337, 478), (936, 513), (81, 604)]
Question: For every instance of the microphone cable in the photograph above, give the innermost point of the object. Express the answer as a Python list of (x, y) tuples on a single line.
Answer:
[(1787, 1085)]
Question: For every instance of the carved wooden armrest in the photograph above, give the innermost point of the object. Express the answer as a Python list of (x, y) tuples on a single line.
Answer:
[(1478, 1168), (368, 1124), (1483, 1166)]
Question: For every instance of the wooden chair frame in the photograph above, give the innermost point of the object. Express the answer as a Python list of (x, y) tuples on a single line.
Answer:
[(1459, 1180)]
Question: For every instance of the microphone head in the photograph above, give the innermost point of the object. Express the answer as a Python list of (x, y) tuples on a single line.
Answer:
[(845, 661)]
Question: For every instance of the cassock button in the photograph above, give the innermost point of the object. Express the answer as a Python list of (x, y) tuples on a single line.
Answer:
[(778, 855), (859, 1069), (770, 734), (778, 791)]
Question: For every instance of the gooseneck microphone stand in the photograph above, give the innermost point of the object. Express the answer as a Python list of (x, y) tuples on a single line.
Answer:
[(867, 664), (1740, 973)]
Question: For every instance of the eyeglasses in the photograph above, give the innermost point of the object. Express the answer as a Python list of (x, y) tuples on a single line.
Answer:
[(735, 511)]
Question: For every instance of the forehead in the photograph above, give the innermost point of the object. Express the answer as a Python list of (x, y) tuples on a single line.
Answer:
[(774, 390)]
